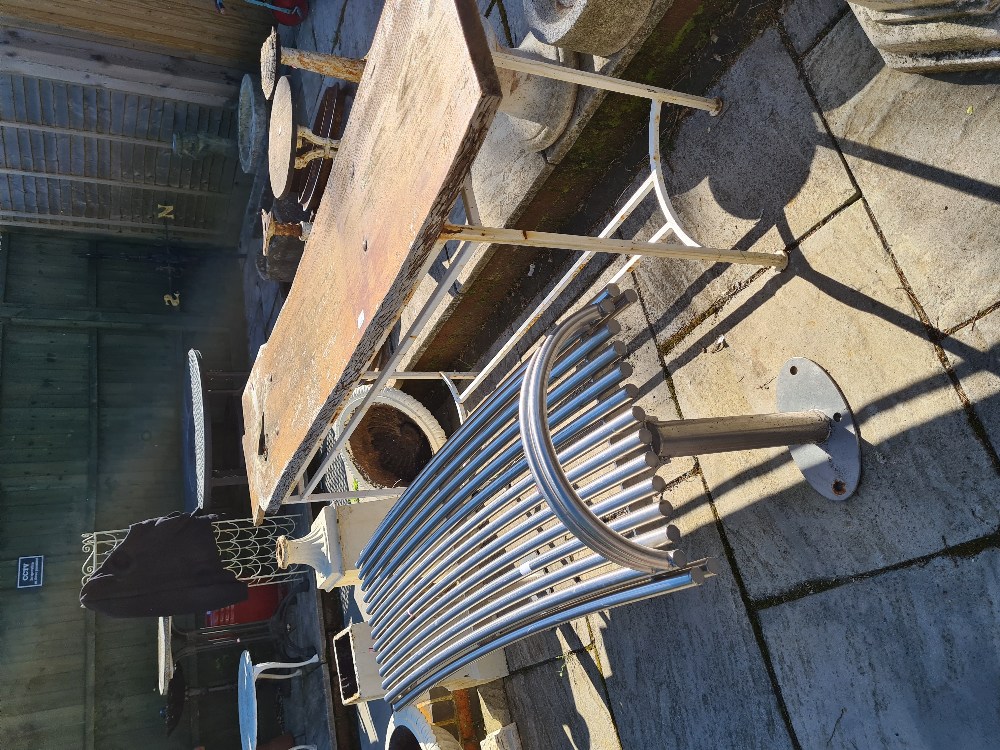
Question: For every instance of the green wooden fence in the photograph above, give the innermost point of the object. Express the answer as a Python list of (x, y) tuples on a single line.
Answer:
[(90, 398)]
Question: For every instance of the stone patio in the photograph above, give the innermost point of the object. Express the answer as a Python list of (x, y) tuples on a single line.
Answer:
[(871, 623)]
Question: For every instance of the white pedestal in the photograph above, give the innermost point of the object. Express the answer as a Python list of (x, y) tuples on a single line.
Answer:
[(334, 543)]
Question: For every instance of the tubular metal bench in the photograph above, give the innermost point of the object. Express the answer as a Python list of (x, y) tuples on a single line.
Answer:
[(474, 556), (543, 507)]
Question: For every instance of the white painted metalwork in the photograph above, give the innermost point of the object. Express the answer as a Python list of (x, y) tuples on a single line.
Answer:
[(671, 228), (245, 549)]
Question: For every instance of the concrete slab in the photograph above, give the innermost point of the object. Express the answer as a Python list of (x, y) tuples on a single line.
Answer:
[(974, 352), (929, 139), (907, 659), (507, 19), (805, 20), (552, 644), (735, 190), (685, 670), (926, 481), (562, 704)]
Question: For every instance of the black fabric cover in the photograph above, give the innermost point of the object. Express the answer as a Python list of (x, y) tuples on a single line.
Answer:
[(164, 566)]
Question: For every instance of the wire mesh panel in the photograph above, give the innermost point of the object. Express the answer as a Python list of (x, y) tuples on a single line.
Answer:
[(248, 550), (245, 549)]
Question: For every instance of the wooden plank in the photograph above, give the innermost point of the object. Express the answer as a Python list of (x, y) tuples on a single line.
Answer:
[(189, 27), (424, 104), (4, 257), (86, 318)]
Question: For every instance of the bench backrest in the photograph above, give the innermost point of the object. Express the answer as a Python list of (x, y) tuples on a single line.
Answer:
[(472, 557)]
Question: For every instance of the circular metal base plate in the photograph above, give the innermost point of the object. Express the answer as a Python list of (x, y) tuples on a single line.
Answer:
[(833, 467)]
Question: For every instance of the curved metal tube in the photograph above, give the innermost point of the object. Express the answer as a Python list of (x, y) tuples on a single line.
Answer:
[(429, 623), (606, 591), (497, 514), (532, 590), (676, 582), (540, 454), (499, 544), (496, 406), (389, 587), (488, 464)]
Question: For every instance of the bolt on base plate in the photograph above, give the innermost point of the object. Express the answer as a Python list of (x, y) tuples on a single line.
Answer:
[(833, 467)]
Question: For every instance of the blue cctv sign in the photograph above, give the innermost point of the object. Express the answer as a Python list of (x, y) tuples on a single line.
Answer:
[(29, 571)]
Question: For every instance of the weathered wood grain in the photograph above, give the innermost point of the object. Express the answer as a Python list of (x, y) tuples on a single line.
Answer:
[(92, 160), (189, 29), (427, 97)]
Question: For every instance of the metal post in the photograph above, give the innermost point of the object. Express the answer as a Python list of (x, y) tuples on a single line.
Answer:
[(272, 54), (695, 437), (814, 420), (509, 61), (529, 238)]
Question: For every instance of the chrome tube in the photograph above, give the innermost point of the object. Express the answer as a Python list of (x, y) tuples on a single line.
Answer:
[(499, 544), (513, 523), (474, 529), (524, 600), (549, 476), (404, 540), (384, 581), (473, 452), (426, 625), (514, 631), (378, 581), (478, 421), (533, 586)]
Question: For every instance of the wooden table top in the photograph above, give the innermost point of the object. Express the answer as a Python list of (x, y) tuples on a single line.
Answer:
[(427, 97)]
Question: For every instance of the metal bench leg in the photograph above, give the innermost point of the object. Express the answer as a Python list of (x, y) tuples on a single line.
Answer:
[(273, 55)]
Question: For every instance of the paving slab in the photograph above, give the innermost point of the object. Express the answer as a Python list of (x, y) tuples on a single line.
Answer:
[(562, 704), (907, 659), (933, 140), (806, 20), (685, 670), (552, 644), (926, 480), (974, 352), (757, 177)]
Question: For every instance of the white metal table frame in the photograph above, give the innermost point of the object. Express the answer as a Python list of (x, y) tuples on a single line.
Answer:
[(246, 684), (474, 235)]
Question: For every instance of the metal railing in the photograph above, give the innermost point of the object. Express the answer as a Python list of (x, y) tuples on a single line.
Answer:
[(464, 253)]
